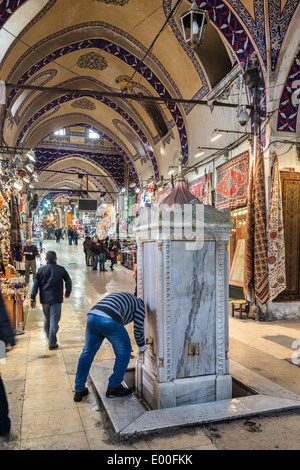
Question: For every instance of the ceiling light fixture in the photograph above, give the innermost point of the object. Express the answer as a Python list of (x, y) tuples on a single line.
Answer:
[(18, 184), (31, 155), (199, 152), (29, 167), (194, 23), (216, 134), (171, 170)]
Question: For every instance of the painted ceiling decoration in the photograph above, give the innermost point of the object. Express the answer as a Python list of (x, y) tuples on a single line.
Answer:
[(117, 144), (145, 135), (288, 110), (84, 103), (104, 100), (7, 8), (92, 60), (128, 58), (111, 163), (114, 2)]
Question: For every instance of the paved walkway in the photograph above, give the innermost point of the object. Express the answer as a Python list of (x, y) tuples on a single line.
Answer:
[(40, 383)]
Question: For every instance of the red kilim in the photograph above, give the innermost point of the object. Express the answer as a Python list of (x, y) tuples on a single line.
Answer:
[(201, 189), (232, 180)]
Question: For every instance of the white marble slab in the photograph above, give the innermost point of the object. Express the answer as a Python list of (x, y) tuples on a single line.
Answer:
[(171, 418), (130, 418)]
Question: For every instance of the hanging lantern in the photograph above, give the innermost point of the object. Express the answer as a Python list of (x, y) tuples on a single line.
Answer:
[(22, 173), (194, 23)]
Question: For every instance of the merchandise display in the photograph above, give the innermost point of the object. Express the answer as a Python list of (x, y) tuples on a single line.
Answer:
[(12, 285), (14, 292), (128, 256)]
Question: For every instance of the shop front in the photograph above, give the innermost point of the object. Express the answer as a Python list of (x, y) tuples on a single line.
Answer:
[(12, 285)]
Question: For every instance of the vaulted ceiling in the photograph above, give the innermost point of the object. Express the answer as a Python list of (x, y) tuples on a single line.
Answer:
[(66, 61)]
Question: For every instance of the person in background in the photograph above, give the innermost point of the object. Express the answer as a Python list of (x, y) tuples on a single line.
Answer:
[(49, 281), (70, 235), (6, 338), (107, 319), (135, 277), (103, 255), (30, 252), (87, 251), (113, 252), (95, 249)]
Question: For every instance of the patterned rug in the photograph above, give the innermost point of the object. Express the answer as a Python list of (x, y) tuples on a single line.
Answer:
[(201, 189), (236, 274), (256, 236), (275, 236), (232, 181), (290, 185), (249, 239)]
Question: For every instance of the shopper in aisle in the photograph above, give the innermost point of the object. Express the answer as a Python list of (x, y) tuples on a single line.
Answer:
[(106, 320), (70, 235), (50, 281), (87, 251), (113, 252), (6, 338), (95, 249), (58, 234), (104, 254), (30, 252)]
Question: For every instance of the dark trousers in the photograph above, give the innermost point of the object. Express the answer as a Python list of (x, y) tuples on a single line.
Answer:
[(4, 419)]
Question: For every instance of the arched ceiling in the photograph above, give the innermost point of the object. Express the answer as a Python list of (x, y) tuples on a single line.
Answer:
[(65, 59)]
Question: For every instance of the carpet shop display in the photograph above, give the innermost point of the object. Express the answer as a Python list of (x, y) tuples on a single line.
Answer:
[(232, 182)]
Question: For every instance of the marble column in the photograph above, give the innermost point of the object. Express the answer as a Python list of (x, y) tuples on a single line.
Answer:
[(184, 285)]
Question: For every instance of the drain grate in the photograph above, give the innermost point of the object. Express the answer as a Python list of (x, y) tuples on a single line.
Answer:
[(283, 340)]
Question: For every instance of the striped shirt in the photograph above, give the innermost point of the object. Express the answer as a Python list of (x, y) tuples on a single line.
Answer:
[(124, 308)]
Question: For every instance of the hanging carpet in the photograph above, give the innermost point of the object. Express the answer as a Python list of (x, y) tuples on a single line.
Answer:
[(201, 189), (290, 183), (256, 257), (232, 181), (275, 236)]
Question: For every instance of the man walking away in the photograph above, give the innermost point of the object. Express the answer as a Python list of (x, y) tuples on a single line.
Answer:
[(50, 281), (6, 337), (95, 249), (30, 252), (106, 320)]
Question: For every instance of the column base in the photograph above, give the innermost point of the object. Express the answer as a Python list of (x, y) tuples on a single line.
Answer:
[(179, 392)]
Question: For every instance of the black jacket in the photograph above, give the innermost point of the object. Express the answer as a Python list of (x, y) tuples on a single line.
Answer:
[(6, 331), (32, 249), (49, 280)]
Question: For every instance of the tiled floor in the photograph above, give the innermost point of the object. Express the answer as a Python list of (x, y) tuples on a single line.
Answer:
[(40, 383)]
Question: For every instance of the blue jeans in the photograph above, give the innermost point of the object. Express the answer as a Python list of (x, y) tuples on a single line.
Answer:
[(96, 261), (97, 329), (102, 261), (52, 314)]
